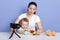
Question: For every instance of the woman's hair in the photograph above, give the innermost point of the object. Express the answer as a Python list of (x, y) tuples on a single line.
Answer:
[(23, 19), (32, 3)]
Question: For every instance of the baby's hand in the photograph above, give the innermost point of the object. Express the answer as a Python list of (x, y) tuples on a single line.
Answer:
[(11, 30)]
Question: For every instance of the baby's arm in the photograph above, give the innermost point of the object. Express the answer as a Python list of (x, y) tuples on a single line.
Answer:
[(20, 30)]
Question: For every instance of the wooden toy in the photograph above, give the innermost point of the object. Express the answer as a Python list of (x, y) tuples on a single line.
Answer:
[(50, 33), (53, 33)]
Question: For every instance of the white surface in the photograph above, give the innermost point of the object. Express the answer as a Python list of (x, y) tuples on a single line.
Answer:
[(6, 35)]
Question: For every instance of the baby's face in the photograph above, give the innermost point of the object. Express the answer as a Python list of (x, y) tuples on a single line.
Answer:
[(24, 24)]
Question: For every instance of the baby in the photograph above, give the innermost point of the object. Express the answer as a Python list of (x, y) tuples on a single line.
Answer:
[(24, 25)]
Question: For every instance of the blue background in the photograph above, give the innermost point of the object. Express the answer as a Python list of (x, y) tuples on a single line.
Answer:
[(48, 11)]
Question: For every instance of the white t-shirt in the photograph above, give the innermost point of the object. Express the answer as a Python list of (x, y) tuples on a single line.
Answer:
[(32, 20)]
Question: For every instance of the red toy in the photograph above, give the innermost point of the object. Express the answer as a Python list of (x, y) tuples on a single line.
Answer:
[(31, 31)]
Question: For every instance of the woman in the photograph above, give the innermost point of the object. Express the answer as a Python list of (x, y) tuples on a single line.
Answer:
[(32, 17)]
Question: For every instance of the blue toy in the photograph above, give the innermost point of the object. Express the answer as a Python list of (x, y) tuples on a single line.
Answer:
[(26, 33)]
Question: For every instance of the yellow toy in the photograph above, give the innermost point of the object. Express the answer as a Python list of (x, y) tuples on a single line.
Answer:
[(34, 33)]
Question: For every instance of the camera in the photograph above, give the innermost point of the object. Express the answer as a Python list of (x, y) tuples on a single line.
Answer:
[(14, 25)]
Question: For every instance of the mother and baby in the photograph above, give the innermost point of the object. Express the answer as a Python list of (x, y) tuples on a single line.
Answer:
[(29, 20)]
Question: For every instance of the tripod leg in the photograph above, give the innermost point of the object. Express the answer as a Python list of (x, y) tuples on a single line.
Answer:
[(11, 35), (17, 35)]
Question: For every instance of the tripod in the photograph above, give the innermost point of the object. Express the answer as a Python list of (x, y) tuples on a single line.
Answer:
[(14, 26)]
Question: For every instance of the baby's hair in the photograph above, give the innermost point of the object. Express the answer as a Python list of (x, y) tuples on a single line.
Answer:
[(23, 19)]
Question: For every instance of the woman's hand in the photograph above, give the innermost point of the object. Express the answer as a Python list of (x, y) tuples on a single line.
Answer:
[(39, 32), (40, 29)]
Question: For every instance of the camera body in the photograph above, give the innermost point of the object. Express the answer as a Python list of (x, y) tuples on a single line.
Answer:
[(14, 25)]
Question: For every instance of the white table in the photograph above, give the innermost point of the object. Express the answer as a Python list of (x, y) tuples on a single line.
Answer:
[(6, 35)]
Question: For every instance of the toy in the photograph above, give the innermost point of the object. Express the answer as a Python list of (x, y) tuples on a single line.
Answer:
[(26, 33), (50, 33), (53, 33), (34, 33), (31, 31)]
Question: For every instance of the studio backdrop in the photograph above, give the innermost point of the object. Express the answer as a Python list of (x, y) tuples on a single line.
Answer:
[(47, 10)]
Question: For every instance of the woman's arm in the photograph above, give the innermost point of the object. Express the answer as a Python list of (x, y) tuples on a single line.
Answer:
[(40, 29), (17, 21), (19, 18)]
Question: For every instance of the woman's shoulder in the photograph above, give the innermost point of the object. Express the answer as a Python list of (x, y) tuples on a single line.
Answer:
[(36, 15), (23, 14), (37, 18)]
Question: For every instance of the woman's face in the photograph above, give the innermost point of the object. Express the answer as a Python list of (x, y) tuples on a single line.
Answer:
[(31, 9)]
